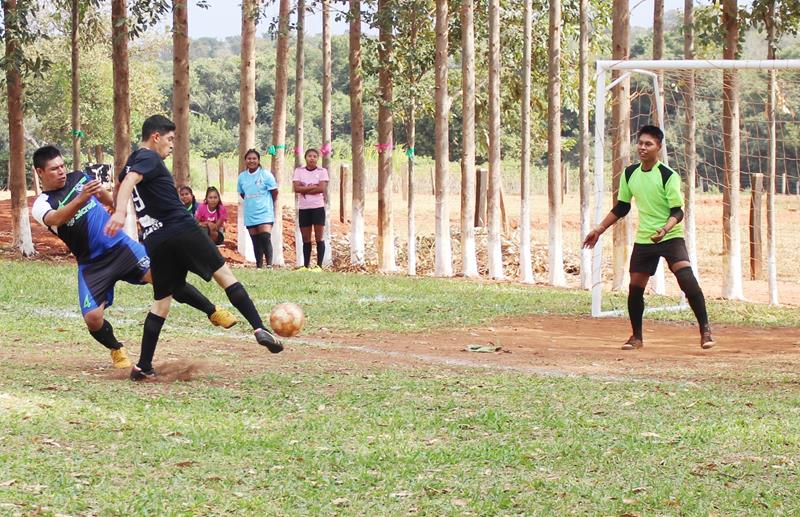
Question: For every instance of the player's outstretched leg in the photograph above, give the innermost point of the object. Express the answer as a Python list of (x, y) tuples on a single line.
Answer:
[(635, 312), (188, 294), (697, 301), (239, 298)]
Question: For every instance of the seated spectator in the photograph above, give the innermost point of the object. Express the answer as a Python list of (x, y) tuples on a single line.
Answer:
[(187, 198), (212, 216)]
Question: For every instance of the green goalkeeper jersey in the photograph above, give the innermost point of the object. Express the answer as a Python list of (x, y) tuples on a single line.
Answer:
[(656, 192)]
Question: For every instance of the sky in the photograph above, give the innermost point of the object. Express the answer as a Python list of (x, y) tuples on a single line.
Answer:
[(223, 18)]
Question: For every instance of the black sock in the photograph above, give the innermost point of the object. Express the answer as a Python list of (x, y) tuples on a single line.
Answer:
[(266, 245), (694, 295), (306, 253), (105, 336), (257, 249), (636, 309), (189, 295), (320, 252), (152, 329), (244, 304)]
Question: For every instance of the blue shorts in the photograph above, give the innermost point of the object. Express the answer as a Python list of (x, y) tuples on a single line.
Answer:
[(126, 261)]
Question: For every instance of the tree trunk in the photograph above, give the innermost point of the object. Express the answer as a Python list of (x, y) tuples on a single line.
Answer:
[(180, 91), (525, 264), (76, 107), (689, 137), (469, 264), (122, 102), (411, 132), (327, 90), (620, 121), (386, 251), (584, 140), (555, 194), (494, 251), (279, 125), (247, 109), (299, 130), (356, 135), (443, 256), (772, 266), (21, 237), (731, 239)]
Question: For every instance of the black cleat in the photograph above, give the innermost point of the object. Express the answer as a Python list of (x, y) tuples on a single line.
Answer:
[(268, 339), (137, 374)]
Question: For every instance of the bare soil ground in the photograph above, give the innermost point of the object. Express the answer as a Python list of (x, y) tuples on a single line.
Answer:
[(542, 345)]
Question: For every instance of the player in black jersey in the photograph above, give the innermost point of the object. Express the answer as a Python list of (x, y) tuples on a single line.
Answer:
[(174, 241), (71, 206)]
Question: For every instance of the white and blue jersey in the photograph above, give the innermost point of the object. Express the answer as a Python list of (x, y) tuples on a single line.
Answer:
[(256, 190), (102, 260), (83, 234)]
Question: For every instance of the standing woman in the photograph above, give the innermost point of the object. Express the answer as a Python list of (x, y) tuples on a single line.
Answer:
[(311, 182), (212, 216), (259, 190)]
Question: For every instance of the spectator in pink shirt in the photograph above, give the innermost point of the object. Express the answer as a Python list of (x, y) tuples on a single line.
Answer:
[(311, 182), (212, 216)]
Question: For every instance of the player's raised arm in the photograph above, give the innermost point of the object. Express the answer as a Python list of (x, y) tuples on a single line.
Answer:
[(61, 216), (117, 220)]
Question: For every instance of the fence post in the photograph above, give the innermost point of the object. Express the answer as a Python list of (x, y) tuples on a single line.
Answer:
[(344, 172), (756, 195), (221, 176), (481, 187)]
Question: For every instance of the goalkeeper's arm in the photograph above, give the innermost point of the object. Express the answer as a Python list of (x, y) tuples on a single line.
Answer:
[(619, 211)]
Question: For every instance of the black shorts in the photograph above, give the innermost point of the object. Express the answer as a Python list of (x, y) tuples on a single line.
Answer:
[(170, 261), (645, 257), (312, 217)]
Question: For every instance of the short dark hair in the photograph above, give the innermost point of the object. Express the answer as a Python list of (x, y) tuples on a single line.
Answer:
[(653, 131), (312, 150), (43, 155), (252, 151), (156, 124)]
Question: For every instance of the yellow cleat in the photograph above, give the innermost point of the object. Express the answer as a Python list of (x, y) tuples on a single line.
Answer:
[(315, 269), (223, 318), (120, 358)]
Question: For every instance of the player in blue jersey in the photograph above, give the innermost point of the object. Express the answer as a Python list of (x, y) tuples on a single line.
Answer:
[(259, 190), (71, 206), (174, 241)]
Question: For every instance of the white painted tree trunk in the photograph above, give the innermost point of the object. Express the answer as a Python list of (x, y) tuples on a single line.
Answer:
[(469, 263), (244, 245), (443, 259), (585, 180), (554, 197), (357, 256), (279, 127), (525, 264), (327, 260), (494, 245)]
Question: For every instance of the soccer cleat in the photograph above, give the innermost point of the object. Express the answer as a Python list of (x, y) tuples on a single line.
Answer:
[(119, 357), (301, 268), (222, 318), (633, 343), (137, 374), (315, 269), (268, 339), (707, 340)]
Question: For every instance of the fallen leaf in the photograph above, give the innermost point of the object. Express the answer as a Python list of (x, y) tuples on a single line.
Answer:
[(340, 501), (8, 483), (482, 348), (184, 464)]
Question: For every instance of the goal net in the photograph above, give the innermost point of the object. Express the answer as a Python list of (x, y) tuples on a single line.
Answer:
[(739, 235)]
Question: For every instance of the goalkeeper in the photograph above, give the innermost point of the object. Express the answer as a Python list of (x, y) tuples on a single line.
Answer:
[(657, 190)]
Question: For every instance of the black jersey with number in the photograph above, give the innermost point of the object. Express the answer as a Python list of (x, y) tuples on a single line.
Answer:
[(158, 206), (83, 234)]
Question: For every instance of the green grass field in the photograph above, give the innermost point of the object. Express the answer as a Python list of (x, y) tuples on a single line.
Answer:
[(305, 433)]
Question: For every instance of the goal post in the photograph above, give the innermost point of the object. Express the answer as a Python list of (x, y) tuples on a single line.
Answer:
[(647, 69)]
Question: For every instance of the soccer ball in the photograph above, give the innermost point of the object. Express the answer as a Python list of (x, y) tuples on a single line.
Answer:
[(287, 319)]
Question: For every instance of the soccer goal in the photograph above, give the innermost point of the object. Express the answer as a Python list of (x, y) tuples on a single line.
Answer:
[(756, 180)]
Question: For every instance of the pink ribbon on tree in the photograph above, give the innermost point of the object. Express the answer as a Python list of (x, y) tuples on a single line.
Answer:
[(326, 149), (298, 150), (384, 147)]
